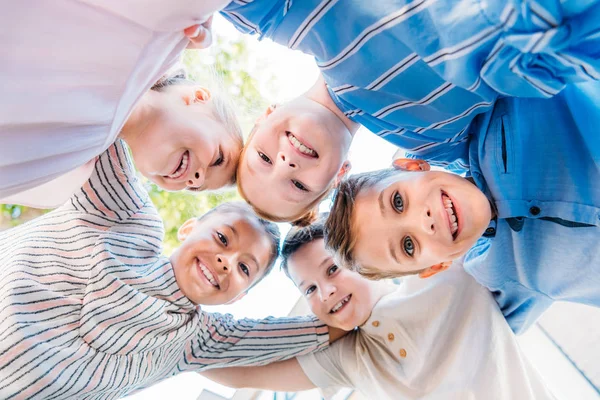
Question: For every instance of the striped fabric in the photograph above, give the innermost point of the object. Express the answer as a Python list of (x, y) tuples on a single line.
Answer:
[(416, 72), (90, 309)]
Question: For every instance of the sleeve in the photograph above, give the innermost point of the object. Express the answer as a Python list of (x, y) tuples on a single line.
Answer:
[(227, 342), (113, 191), (329, 369), (258, 17), (545, 45)]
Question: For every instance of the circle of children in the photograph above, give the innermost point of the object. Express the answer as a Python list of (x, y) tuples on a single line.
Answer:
[(503, 91)]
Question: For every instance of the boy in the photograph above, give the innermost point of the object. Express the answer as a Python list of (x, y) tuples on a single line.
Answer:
[(535, 201), (417, 72), (440, 338), (90, 308)]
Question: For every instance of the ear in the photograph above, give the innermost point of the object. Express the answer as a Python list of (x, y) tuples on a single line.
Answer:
[(346, 166), (186, 228), (237, 298), (267, 112), (407, 164), (434, 269), (197, 94)]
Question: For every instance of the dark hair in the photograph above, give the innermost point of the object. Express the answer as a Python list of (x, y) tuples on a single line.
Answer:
[(339, 235), (270, 228), (298, 237), (178, 77)]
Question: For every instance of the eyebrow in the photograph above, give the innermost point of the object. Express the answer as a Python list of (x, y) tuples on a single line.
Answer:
[(235, 233), (381, 204)]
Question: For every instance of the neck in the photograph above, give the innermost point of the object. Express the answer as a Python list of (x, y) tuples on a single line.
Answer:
[(138, 119), (378, 290), (319, 93)]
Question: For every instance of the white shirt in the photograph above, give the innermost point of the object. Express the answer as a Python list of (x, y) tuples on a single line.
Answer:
[(71, 72), (437, 338)]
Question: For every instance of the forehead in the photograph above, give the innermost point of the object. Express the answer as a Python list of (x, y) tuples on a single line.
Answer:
[(306, 261)]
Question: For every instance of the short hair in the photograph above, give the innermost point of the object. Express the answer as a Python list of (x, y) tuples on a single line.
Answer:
[(270, 228), (298, 237), (222, 106), (339, 233)]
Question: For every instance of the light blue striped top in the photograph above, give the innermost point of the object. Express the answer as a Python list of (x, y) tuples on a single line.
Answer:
[(417, 72)]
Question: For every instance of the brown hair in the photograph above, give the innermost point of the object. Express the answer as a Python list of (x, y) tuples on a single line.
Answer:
[(339, 232), (222, 106), (271, 230), (298, 237), (304, 218)]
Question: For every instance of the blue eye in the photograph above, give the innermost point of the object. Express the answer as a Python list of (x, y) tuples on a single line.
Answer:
[(409, 246), (264, 157), (245, 269), (222, 239), (310, 290), (332, 270), (397, 202)]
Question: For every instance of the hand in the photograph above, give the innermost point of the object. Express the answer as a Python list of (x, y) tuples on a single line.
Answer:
[(200, 35)]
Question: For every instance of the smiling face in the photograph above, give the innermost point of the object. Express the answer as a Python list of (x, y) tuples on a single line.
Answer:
[(338, 297), (297, 150), (180, 144), (221, 256), (410, 221)]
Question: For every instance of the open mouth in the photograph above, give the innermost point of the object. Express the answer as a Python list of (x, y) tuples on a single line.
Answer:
[(301, 147), (204, 271), (182, 167), (452, 215), (341, 304)]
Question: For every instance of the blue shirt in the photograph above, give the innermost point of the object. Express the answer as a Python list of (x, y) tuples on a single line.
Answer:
[(417, 72), (545, 244)]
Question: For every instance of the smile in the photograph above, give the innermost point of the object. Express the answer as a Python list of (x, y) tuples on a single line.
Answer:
[(182, 167), (206, 273), (301, 147), (341, 304), (452, 215)]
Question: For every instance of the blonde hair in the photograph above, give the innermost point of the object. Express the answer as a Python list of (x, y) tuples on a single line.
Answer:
[(305, 217), (222, 106)]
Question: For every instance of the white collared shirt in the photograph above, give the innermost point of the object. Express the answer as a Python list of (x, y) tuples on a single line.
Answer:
[(437, 338), (72, 71)]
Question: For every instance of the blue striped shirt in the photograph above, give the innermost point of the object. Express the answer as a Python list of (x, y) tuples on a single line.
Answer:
[(417, 72)]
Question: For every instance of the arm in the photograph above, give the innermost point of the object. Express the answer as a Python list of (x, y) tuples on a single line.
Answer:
[(226, 342), (544, 46), (285, 376)]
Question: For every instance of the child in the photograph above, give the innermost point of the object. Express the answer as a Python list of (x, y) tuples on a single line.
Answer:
[(90, 308), (299, 151), (451, 60), (535, 200), (440, 338), (181, 134)]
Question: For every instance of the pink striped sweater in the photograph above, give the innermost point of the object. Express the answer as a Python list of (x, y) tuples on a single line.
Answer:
[(89, 308)]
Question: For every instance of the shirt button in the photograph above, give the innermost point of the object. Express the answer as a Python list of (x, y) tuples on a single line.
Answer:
[(535, 210), (402, 353), (391, 337), (490, 231), (375, 324)]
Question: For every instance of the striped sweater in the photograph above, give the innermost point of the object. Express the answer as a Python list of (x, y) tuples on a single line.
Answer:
[(89, 308)]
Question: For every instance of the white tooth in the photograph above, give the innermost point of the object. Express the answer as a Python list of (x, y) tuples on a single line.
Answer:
[(453, 218)]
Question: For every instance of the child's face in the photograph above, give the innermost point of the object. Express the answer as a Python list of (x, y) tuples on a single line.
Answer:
[(295, 155), (182, 144), (414, 220), (220, 257), (337, 296)]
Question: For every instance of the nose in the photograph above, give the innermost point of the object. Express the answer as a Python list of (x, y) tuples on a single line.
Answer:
[(427, 221), (223, 266), (197, 180), (327, 291), (287, 159)]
